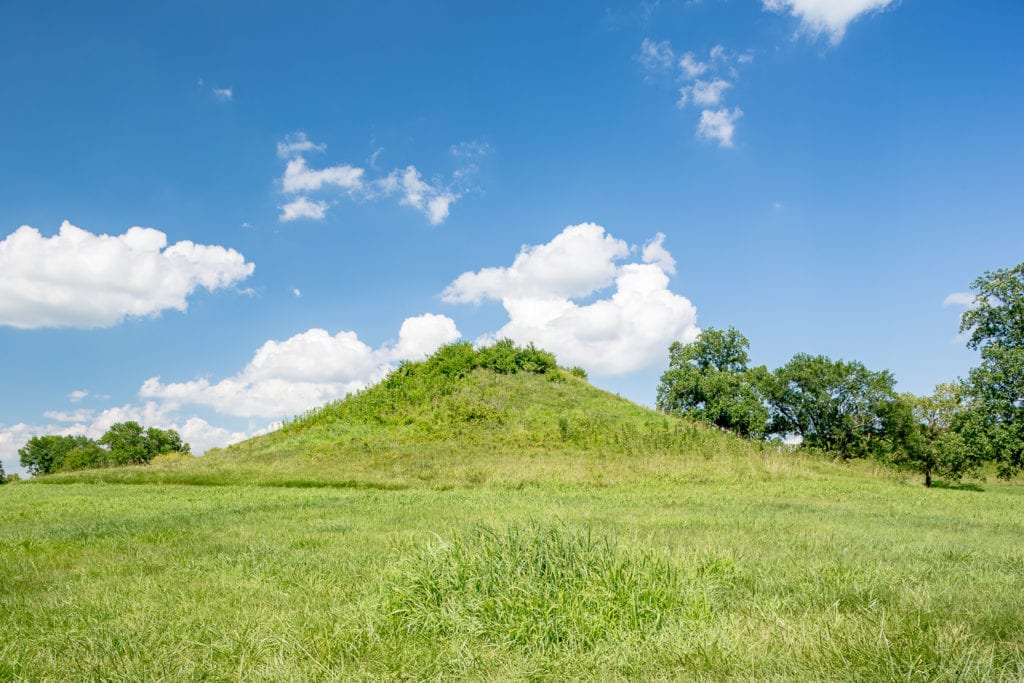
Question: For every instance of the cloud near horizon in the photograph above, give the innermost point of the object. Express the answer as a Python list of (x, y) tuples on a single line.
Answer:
[(628, 331), (197, 432), (287, 378), (79, 279)]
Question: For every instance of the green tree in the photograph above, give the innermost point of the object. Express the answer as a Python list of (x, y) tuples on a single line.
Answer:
[(47, 454), (833, 405), (161, 441), (919, 432), (127, 443), (993, 425), (709, 379)]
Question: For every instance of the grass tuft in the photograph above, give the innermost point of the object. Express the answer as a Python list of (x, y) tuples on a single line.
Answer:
[(536, 587)]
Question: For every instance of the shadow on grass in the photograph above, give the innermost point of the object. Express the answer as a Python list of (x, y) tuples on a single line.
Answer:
[(957, 486)]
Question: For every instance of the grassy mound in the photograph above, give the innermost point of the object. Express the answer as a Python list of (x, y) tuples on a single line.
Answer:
[(463, 417)]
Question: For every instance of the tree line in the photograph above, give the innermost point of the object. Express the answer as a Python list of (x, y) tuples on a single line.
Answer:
[(124, 443), (848, 410)]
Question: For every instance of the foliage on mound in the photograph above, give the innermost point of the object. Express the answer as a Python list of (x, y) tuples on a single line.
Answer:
[(497, 396), (535, 587)]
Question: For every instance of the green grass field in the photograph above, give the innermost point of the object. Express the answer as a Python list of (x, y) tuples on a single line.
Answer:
[(508, 528)]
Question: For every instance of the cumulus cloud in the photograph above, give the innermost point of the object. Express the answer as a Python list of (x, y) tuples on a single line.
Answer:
[(79, 279), (223, 94), (578, 261), (622, 333), (433, 198), (77, 395), (719, 124), (302, 208), (289, 377), (830, 17)]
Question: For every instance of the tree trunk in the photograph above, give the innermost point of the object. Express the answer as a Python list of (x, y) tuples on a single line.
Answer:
[(928, 477)]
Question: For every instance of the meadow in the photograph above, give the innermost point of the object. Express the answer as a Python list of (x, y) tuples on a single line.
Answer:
[(474, 534)]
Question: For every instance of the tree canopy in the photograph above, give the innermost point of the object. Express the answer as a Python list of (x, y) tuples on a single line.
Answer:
[(993, 424), (709, 380)]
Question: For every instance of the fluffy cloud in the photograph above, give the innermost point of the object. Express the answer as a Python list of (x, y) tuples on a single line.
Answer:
[(705, 85), (578, 261), (826, 16), (656, 253), (78, 279), (703, 93), (302, 207), (300, 178), (693, 67), (223, 94), (719, 124), (625, 332), (431, 198), (289, 377)]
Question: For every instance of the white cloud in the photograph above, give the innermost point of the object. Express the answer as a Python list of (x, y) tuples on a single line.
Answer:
[(297, 143), (628, 331), (704, 86), (296, 292), (691, 66), (826, 16), (578, 261), (300, 178), (656, 253), (719, 124), (704, 93), (78, 279), (965, 299), (656, 56), (77, 395), (432, 199), (289, 377), (223, 94), (302, 207), (80, 415)]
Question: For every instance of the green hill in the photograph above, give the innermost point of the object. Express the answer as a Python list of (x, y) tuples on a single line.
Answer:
[(462, 418)]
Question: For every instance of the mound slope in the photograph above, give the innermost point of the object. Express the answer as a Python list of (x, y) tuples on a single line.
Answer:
[(461, 417)]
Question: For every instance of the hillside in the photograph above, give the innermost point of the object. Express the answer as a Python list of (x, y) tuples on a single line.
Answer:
[(450, 421)]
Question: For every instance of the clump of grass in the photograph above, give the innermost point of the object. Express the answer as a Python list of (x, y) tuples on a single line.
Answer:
[(540, 588)]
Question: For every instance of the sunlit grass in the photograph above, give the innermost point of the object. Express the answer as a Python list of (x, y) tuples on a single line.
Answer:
[(615, 543)]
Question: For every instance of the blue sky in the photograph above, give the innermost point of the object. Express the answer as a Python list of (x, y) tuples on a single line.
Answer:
[(338, 188)]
